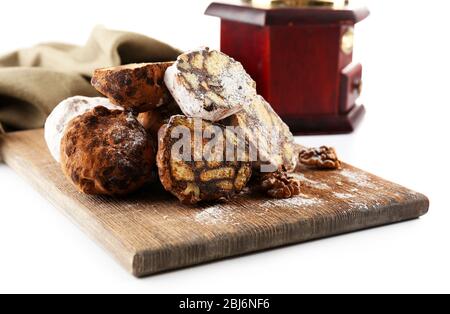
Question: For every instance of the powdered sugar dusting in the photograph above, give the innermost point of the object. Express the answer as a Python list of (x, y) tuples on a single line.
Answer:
[(359, 206), (131, 137), (210, 96), (298, 202), (344, 196), (214, 215), (236, 84), (352, 201), (311, 183), (358, 178)]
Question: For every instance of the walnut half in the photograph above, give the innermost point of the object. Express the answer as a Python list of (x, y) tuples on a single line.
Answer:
[(280, 184), (323, 157)]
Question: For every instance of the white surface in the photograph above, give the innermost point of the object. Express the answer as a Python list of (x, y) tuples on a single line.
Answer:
[(404, 48)]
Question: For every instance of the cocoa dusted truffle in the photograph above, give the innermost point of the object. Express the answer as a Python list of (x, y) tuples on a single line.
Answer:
[(107, 152)]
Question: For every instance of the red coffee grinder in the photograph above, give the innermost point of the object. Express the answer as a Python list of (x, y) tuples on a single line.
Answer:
[(300, 54)]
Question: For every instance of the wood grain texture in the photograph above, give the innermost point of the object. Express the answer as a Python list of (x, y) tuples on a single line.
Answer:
[(151, 232)]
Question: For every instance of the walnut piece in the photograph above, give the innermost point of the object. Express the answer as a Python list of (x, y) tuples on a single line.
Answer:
[(280, 185), (320, 158)]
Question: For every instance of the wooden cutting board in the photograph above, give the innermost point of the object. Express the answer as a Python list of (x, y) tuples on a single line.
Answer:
[(151, 232)]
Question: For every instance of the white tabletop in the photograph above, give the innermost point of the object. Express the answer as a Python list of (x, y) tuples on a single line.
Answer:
[(403, 138)]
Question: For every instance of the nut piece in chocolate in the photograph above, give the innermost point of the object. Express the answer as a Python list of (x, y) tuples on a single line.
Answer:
[(107, 152), (196, 166)]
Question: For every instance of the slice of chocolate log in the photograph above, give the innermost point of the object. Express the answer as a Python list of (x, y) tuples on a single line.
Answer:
[(195, 163), (137, 87), (208, 84), (268, 135)]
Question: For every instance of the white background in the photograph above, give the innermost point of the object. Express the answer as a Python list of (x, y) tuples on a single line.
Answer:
[(404, 47)]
